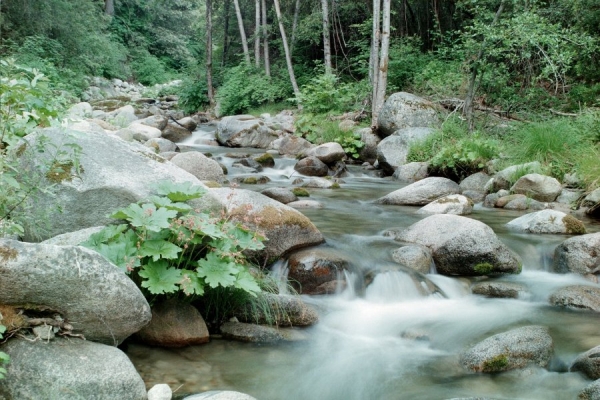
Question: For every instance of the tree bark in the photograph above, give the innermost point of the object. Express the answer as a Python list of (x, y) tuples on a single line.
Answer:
[(286, 49), (109, 7), (238, 13), (468, 106), (265, 32), (209, 80), (257, 28), (374, 57), (225, 33), (383, 63), (326, 37), (295, 26)]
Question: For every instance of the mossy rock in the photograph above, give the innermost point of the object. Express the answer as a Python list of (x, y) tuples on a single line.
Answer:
[(300, 192)]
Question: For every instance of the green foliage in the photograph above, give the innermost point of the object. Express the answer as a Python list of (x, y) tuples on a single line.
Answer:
[(149, 70), (167, 248), (319, 129), (440, 78), (4, 358), (351, 143), (193, 94), (325, 93), (588, 167)]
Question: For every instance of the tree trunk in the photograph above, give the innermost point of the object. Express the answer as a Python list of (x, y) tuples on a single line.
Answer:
[(209, 81), (238, 13), (257, 33), (295, 26), (265, 32), (383, 63), (288, 57), (109, 7), (326, 41), (225, 33), (468, 106), (374, 57)]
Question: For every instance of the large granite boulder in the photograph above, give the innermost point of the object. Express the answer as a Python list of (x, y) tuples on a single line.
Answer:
[(538, 187), (69, 369), (282, 195), (197, 164), (291, 145), (112, 175), (405, 110), (517, 348), (143, 133), (285, 228), (591, 391), (588, 363), (579, 255), (462, 246), (244, 131), (455, 204), (368, 152), (414, 257), (422, 192), (87, 291), (311, 166), (392, 151), (547, 221), (122, 116), (156, 121), (329, 153), (577, 297)]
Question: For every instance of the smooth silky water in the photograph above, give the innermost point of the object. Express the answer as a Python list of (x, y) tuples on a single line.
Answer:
[(396, 339)]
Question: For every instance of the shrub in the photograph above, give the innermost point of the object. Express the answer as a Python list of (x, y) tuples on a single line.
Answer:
[(193, 95), (325, 93), (149, 70)]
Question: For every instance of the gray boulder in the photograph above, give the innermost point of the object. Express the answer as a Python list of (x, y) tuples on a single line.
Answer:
[(411, 172), (162, 145), (475, 182), (73, 238), (244, 131), (504, 178), (320, 183), (368, 152), (143, 133), (311, 166), (517, 348), (285, 228), (462, 246), (414, 257), (329, 153), (282, 195), (311, 270), (197, 164), (538, 187), (188, 123), (577, 297), (503, 290), (579, 255), (304, 204), (547, 221), (291, 145), (392, 151), (113, 174), (161, 391), (82, 286), (175, 132), (156, 121), (422, 192), (455, 204), (250, 332), (592, 199), (405, 110), (220, 395), (70, 370), (588, 363), (80, 111), (524, 203), (591, 392), (122, 116), (569, 196)]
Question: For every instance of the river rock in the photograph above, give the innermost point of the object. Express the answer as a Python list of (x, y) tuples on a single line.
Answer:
[(122, 116), (578, 255), (320, 183), (175, 132), (411, 172), (298, 204), (462, 246), (475, 182), (143, 133), (162, 391), (422, 192), (517, 348), (80, 110), (392, 151), (220, 395), (524, 203), (265, 160), (569, 196), (162, 145), (291, 145), (250, 332), (73, 238), (368, 152), (311, 166), (279, 310), (502, 290), (81, 285), (405, 110), (285, 228), (329, 153), (69, 369), (578, 297), (113, 175), (282, 195), (244, 131), (414, 257), (455, 204), (547, 221), (174, 324), (157, 121), (310, 269), (588, 363), (592, 199), (197, 164), (188, 123), (538, 187), (591, 392), (504, 178)]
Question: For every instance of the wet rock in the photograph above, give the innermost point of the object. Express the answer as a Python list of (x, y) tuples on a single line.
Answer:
[(310, 268), (547, 221), (305, 204), (250, 163), (422, 192), (475, 182), (392, 151), (175, 132), (517, 348), (174, 324), (580, 255), (591, 392), (162, 145), (244, 131), (197, 164), (577, 297), (280, 310), (328, 153), (405, 110), (161, 391), (311, 166), (291, 145), (525, 203), (503, 290), (455, 204), (504, 178), (504, 200), (368, 152), (411, 172), (588, 363), (538, 187), (220, 395), (320, 183), (414, 257), (157, 121), (69, 369), (265, 160), (282, 195), (462, 246), (143, 133)]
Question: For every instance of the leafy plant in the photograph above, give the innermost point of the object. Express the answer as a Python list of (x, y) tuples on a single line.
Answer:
[(166, 247), (459, 159), (351, 143), (4, 358), (325, 93), (193, 94)]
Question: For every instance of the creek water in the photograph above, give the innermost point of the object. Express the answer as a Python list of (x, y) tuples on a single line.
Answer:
[(392, 340)]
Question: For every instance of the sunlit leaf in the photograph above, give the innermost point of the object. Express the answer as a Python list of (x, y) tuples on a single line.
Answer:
[(159, 277)]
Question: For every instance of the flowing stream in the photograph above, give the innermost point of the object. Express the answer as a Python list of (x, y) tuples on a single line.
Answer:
[(390, 341)]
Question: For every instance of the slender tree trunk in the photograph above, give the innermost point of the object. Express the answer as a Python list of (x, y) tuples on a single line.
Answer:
[(225, 33), (286, 49), (326, 36), (265, 32), (468, 106), (238, 13), (295, 26), (109, 7), (374, 57), (209, 80), (383, 63), (257, 33)]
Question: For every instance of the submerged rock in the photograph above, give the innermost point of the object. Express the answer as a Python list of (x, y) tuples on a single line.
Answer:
[(250, 332), (503, 290), (455, 204), (588, 363), (310, 269), (578, 297)]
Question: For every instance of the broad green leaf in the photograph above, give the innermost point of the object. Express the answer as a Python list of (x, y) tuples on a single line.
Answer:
[(105, 235), (191, 284), (246, 281), (179, 191), (217, 271), (149, 217), (159, 278), (169, 205), (159, 249), (246, 240), (120, 253)]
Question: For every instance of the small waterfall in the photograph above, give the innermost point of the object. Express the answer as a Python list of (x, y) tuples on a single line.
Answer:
[(392, 286), (279, 273)]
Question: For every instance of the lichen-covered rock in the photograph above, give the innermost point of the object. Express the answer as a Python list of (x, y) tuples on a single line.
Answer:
[(517, 348), (392, 151), (580, 255), (588, 363), (503, 290), (422, 192), (455, 204), (462, 246), (197, 164), (309, 269), (69, 369), (329, 153), (405, 110), (547, 221), (311, 166), (244, 131), (82, 286), (578, 297), (538, 187)]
